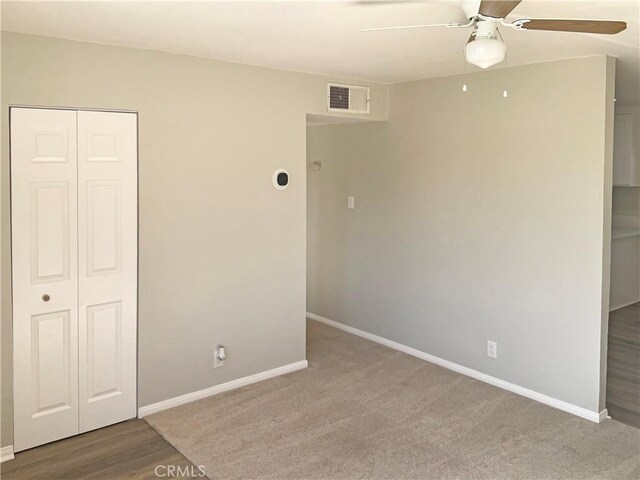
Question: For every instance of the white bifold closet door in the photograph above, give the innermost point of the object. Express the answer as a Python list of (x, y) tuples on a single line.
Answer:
[(74, 268), (44, 199), (107, 267)]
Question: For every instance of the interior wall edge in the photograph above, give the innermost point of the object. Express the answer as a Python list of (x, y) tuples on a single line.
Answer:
[(607, 193)]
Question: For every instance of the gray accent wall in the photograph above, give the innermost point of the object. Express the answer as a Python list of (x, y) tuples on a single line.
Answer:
[(222, 253), (477, 217)]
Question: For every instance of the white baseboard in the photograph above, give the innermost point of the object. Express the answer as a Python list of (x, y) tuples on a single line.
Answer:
[(603, 415), (6, 453), (223, 387), (483, 377), (622, 305)]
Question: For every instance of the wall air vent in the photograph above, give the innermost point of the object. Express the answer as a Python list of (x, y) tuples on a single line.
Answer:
[(347, 98)]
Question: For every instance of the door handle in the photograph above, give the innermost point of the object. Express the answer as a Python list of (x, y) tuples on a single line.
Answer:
[(46, 297)]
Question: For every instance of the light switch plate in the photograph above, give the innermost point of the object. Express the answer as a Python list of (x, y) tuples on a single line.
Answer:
[(217, 363), (351, 202)]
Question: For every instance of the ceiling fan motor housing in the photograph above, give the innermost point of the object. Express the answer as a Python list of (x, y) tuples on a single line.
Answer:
[(486, 30)]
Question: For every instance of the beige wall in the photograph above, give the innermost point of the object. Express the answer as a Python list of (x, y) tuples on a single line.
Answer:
[(626, 201), (222, 253), (477, 218)]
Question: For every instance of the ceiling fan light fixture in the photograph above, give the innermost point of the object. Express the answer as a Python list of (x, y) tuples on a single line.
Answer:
[(485, 52)]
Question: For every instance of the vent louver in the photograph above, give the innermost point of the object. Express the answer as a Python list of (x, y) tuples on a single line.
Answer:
[(347, 98), (339, 97)]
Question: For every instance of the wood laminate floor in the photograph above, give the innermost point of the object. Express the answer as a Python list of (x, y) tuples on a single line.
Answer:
[(128, 450), (623, 366)]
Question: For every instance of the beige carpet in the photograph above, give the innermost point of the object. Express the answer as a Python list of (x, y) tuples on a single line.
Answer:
[(364, 411)]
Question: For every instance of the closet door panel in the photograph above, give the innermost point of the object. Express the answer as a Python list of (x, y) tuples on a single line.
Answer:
[(107, 262), (44, 275)]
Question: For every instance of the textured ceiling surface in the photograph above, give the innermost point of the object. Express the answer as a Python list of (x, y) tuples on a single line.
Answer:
[(325, 38)]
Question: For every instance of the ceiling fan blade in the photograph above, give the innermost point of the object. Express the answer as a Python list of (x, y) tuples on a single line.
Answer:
[(497, 8), (406, 27), (607, 27)]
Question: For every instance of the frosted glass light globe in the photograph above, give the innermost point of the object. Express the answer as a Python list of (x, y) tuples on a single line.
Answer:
[(485, 52)]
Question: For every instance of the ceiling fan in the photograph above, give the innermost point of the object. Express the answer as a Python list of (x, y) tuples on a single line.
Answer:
[(485, 46)]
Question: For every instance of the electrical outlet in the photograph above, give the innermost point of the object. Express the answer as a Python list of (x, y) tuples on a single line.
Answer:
[(492, 349), (217, 361)]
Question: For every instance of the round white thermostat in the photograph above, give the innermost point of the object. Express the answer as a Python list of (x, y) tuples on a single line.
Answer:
[(280, 179)]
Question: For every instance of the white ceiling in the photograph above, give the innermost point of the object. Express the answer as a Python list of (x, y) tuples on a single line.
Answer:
[(323, 37)]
